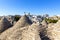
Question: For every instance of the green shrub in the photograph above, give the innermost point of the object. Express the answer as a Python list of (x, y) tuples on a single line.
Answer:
[(50, 20)]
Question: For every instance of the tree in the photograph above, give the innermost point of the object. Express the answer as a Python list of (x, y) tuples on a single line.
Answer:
[(17, 17)]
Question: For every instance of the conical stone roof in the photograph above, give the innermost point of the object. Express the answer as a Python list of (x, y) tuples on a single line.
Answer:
[(34, 32), (26, 33), (54, 31), (44, 22), (50, 24), (24, 21), (4, 24)]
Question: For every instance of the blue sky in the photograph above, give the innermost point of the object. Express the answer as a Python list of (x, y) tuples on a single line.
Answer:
[(36, 7)]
